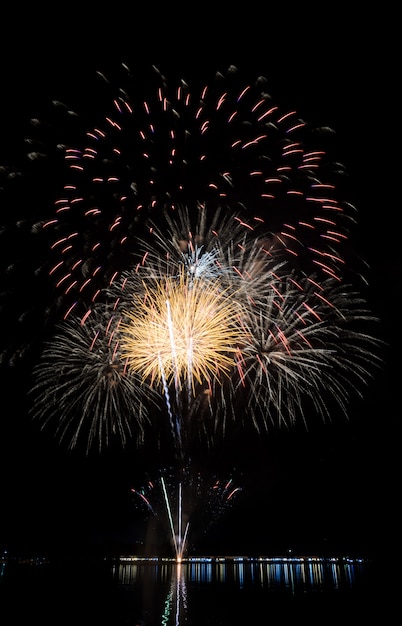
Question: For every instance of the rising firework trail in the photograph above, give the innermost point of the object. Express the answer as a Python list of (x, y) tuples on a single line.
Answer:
[(179, 538), (186, 504)]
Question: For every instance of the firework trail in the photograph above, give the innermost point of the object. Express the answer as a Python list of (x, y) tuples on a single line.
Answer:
[(186, 504), (207, 227)]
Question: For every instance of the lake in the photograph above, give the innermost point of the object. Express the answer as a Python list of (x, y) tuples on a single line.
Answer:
[(202, 591)]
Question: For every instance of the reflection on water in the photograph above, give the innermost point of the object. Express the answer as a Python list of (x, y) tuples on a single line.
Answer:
[(302, 573), (294, 576), (235, 591)]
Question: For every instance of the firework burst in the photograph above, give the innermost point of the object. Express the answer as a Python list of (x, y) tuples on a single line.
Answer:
[(306, 344), (83, 388), (226, 146), (195, 243), (182, 330), (229, 337)]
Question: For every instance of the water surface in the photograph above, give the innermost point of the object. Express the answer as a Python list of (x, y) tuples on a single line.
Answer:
[(198, 592)]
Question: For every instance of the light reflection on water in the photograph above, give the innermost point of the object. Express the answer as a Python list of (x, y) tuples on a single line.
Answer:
[(234, 591), (270, 573), (257, 578)]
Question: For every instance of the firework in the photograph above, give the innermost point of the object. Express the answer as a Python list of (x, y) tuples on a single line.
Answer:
[(83, 388), (182, 330), (233, 337), (307, 344), (223, 147), (185, 503), (195, 241)]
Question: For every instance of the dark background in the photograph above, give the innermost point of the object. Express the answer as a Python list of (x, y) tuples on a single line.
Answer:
[(333, 488)]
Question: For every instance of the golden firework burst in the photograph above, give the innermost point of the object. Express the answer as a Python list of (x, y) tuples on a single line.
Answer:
[(182, 330)]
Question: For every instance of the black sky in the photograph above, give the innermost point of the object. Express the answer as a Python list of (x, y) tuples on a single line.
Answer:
[(333, 487)]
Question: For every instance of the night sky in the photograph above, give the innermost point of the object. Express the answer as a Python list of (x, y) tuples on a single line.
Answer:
[(332, 488)]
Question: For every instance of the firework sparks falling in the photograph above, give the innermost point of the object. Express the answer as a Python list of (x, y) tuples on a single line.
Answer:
[(83, 385), (305, 342)]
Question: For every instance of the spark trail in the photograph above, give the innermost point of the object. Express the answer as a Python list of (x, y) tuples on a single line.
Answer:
[(186, 503)]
